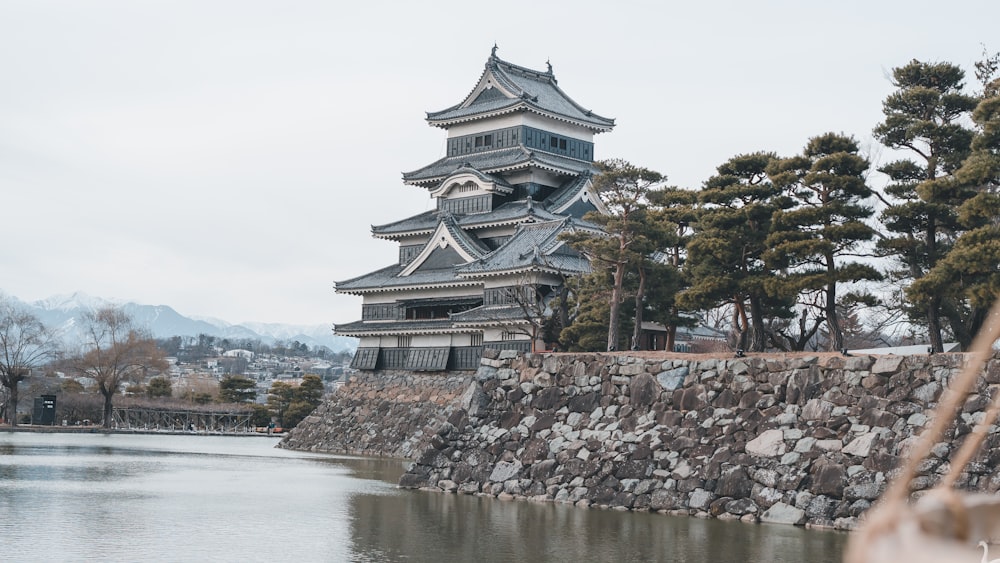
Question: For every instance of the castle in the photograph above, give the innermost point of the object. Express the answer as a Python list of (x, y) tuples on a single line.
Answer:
[(482, 268)]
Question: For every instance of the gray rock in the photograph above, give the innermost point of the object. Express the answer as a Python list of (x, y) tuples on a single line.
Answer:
[(673, 378), (886, 365), (781, 513), (505, 470), (861, 446), (771, 443), (700, 499)]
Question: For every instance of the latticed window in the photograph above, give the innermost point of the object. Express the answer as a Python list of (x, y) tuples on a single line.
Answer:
[(477, 339), (505, 336), (404, 341)]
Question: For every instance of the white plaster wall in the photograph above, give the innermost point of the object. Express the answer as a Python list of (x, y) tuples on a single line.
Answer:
[(430, 340)]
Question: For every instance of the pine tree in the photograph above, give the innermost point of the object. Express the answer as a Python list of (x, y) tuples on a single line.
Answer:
[(811, 240), (623, 187), (923, 116), (968, 277), (725, 261)]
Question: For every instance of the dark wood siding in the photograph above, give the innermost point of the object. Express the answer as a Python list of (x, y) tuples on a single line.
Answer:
[(498, 139), (365, 358), (428, 359), (558, 144), (509, 295), (408, 253), (467, 205), (392, 358), (528, 136), (494, 243), (381, 312), (519, 345), (465, 357)]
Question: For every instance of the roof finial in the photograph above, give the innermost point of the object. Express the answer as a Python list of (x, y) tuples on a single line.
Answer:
[(548, 63), (493, 53)]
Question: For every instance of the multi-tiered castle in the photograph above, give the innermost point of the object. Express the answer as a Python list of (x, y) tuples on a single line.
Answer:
[(480, 270)]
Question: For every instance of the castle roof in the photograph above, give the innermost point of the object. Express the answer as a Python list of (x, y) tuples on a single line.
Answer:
[(534, 246), (389, 279), (509, 213), (497, 161), (506, 88)]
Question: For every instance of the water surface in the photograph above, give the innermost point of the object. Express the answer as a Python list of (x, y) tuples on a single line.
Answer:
[(115, 497)]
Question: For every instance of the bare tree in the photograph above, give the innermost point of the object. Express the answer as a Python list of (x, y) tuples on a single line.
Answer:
[(25, 343), (115, 352)]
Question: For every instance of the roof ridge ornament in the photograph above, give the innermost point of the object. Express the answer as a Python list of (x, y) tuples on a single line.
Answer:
[(493, 52)]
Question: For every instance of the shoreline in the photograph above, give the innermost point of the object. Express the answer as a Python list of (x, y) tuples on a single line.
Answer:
[(102, 430)]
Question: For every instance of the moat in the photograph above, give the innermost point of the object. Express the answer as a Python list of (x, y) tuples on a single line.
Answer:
[(76, 497)]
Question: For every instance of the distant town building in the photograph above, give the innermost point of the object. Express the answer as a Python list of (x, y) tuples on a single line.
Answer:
[(475, 271)]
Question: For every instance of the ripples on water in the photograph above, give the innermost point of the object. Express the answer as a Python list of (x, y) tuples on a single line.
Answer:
[(94, 497)]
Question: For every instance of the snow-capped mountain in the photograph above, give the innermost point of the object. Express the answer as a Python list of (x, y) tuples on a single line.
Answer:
[(62, 312)]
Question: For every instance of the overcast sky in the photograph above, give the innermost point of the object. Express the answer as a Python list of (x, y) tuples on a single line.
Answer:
[(229, 158)]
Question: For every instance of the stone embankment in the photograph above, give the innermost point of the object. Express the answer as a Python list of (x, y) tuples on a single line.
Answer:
[(796, 439), (391, 414)]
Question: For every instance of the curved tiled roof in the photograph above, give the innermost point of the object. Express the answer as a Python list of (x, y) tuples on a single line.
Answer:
[(387, 279), (529, 90), (490, 314), (371, 328), (424, 223), (470, 244), (512, 158), (506, 214), (533, 246)]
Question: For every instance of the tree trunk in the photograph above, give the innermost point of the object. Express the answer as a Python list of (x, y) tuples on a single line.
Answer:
[(757, 335), (639, 295), (108, 409), (12, 405), (832, 318), (934, 324), (616, 301), (934, 305)]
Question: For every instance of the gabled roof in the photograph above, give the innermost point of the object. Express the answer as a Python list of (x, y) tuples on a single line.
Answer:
[(576, 197), (534, 246), (501, 160), (447, 234), (506, 88)]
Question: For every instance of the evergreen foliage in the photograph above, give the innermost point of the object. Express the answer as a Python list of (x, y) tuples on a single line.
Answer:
[(924, 116), (725, 261), (811, 240)]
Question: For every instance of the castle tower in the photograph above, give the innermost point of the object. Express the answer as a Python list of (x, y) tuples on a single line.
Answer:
[(480, 269)]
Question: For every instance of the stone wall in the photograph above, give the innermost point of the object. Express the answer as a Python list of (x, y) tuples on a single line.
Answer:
[(389, 413), (798, 439)]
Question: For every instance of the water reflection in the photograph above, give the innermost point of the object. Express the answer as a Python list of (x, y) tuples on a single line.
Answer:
[(187, 498), (421, 526)]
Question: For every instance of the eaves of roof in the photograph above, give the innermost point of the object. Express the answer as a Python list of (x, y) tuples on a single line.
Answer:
[(501, 160)]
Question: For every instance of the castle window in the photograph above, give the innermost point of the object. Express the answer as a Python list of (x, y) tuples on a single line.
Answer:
[(562, 144), (477, 340), (404, 341), (553, 142)]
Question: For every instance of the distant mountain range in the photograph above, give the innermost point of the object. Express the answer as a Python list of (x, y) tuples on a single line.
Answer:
[(63, 312)]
